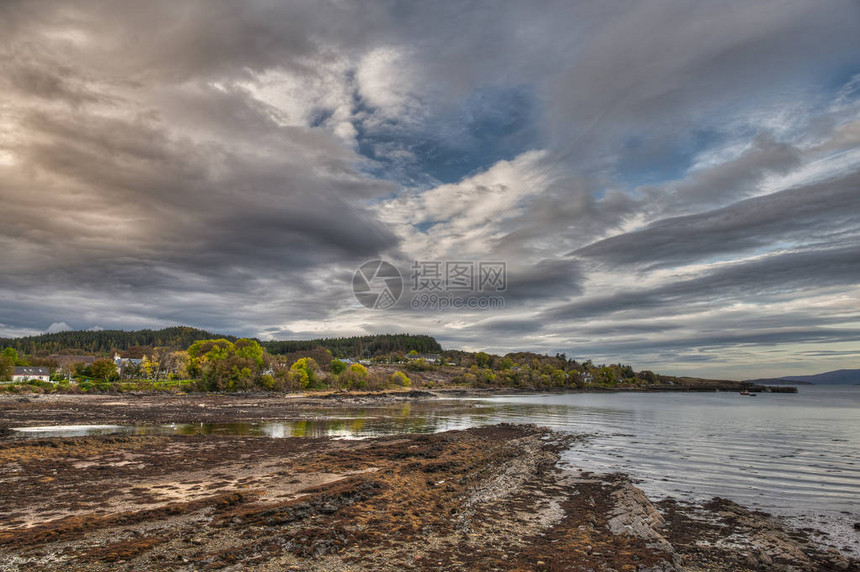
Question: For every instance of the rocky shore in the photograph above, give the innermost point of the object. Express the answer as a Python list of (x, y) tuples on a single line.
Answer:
[(482, 499)]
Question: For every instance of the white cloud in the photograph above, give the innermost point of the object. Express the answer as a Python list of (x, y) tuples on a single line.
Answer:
[(7, 331), (467, 215), (56, 327), (388, 80)]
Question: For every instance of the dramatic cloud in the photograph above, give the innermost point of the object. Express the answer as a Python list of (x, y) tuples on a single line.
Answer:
[(669, 184), (824, 211)]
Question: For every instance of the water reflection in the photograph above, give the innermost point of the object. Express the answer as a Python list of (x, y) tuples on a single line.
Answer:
[(74, 430), (346, 423)]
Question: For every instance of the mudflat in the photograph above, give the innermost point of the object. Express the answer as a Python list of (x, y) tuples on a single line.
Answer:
[(129, 408)]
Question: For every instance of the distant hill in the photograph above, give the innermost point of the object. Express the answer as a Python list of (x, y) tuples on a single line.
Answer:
[(837, 377), (183, 336)]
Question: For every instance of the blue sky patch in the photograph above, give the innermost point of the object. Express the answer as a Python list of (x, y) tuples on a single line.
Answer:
[(650, 161), (494, 123)]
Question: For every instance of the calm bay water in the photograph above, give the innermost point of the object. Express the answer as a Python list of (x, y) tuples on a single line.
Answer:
[(782, 450), (796, 455), (791, 454)]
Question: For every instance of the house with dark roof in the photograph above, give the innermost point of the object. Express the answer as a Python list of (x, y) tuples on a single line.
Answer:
[(123, 363), (31, 373)]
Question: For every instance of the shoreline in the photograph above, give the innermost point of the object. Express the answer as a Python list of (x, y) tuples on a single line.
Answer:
[(20, 410), (476, 499), (9, 401)]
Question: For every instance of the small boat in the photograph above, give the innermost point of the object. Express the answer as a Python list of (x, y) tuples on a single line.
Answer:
[(745, 392)]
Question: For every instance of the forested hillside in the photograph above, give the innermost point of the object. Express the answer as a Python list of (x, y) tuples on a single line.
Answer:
[(359, 346), (181, 337), (106, 340)]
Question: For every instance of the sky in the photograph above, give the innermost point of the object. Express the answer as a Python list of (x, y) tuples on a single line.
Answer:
[(671, 185)]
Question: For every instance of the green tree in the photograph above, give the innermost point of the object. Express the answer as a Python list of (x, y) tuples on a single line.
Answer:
[(6, 368), (482, 359), (149, 367), (337, 367), (209, 350), (222, 365), (249, 349), (607, 375), (104, 369), (304, 372), (11, 355)]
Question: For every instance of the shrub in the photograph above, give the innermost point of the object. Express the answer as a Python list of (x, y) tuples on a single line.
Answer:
[(399, 378), (420, 364), (355, 377), (268, 382)]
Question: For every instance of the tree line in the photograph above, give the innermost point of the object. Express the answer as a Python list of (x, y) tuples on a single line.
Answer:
[(181, 337), (359, 346), (103, 341)]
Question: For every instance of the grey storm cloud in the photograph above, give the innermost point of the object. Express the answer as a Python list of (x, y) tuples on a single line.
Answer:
[(734, 179), (166, 200), (721, 340), (830, 208), (544, 279), (773, 276), (667, 65), (229, 165)]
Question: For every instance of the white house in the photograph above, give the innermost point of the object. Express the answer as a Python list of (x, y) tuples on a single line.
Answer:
[(429, 358), (31, 373)]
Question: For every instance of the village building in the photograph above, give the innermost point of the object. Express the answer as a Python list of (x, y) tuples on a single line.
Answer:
[(31, 374), (123, 363), (429, 358)]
